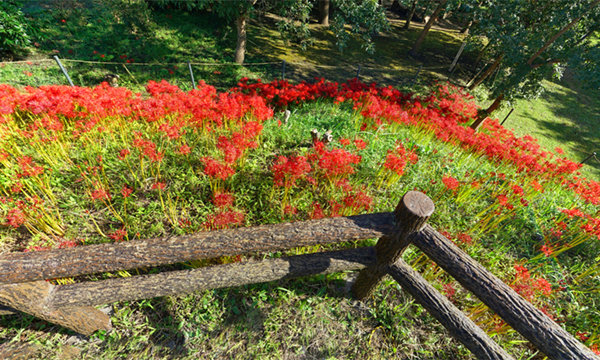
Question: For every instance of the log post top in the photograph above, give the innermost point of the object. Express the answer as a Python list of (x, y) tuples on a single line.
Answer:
[(413, 211)]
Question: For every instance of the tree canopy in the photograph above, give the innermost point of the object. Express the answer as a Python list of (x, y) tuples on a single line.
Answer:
[(533, 40)]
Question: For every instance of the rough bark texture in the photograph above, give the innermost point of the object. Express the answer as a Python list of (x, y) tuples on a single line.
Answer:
[(5, 310), (240, 49), (324, 12), (32, 298), (18, 351), (30, 266), (411, 214), (452, 318), (215, 277), (415, 49), (520, 314)]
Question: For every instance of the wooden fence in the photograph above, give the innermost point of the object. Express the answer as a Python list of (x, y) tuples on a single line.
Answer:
[(23, 286)]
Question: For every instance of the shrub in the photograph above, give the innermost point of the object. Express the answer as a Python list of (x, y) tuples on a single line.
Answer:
[(13, 27)]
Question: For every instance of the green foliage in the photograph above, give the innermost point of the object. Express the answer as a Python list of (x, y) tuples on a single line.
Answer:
[(294, 25), (13, 27), (366, 18), (532, 39)]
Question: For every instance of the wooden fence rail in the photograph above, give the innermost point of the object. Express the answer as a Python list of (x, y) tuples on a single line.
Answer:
[(22, 275)]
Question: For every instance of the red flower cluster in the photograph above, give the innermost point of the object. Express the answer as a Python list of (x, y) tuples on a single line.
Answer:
[(223, 199), (215, 169), (528, 287), (335, 163), (287, 170), (450, 183), (224, 220), (397, 159)]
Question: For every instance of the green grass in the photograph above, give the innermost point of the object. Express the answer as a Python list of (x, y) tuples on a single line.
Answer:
[(313, 317), (565, 116)]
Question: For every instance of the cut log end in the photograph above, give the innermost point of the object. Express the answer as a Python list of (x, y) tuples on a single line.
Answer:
[(413, 211)]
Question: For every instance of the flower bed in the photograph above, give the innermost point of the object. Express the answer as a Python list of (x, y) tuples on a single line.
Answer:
[(83, 166)]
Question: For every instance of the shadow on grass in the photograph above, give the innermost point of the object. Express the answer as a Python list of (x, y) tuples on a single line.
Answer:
[(581, 110)]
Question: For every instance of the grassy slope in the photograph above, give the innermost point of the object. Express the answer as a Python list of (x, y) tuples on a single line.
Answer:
[(565, 116), (306, 318)]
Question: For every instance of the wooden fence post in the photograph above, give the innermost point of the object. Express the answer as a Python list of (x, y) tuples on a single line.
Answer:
[(546, 335), (411, 215), (458, 324)]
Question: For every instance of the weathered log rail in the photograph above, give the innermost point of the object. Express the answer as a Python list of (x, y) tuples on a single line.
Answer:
[(22, 275)]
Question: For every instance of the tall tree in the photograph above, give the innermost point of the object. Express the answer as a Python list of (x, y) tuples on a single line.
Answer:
[(534, 41), (411, 13), (415, 49), (324, 12), (365, 18)]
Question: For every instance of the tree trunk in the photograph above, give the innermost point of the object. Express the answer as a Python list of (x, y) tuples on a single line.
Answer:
[(553, 39), (486, 73), (324, 12), (481, 53), (465, 29), (414, 51), (413, 8), (484, 114), (240, 50)]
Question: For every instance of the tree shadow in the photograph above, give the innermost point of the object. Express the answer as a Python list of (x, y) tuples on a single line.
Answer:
[(579, 131)]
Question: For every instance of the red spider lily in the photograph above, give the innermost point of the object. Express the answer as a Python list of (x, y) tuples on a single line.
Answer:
[(290, 210), (123, 154), (15, 218), (224, 220), (397, 159), (464, 238), (159, 186), (450, 182), (184, 150), (527, 287), (573, 212), (316, 212), (335, 163), (583, 336), (287, 170), (360, 144), (215, 169), (118, 235), (126, 192), (67, 244), (335, 208), (547, 250), (344, 185), (234, 148), (28, 167), (36, 248), (517, 190), (100, 194), (223, 199), (449, 290), (16, 187), (358, 202)]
